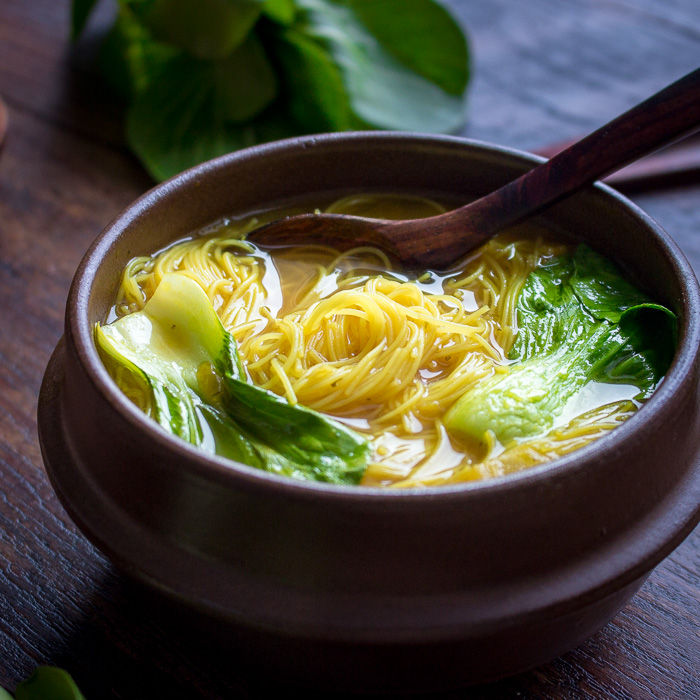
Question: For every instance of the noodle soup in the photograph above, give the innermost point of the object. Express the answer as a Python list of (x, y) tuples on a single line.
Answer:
[(388, 353)]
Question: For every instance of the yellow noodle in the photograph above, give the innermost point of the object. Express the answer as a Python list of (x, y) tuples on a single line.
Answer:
[(343, 334), (558, 442)]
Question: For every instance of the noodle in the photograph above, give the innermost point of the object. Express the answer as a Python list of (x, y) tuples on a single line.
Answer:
[(343, 334)]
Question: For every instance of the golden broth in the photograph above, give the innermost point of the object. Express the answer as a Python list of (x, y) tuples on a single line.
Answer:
[(384, 351)]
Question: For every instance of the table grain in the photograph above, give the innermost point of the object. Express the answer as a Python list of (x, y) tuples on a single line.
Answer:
[(543, 71)]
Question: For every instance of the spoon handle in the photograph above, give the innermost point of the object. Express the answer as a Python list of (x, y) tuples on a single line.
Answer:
[(665, 117)]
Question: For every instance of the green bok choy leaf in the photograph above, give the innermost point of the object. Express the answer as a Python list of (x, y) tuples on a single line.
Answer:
[(46, 683), (177, 347), (579, 320)]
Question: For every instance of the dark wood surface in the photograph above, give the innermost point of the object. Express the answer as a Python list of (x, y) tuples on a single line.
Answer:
[(545, 71)]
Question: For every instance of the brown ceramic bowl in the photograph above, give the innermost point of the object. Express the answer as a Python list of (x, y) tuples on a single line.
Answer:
[(363, 588)]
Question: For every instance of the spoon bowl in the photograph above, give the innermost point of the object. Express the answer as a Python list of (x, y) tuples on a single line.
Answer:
[(438, 241)]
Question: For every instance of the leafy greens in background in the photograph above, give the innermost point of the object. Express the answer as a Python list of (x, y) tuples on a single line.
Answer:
[(206, 77)]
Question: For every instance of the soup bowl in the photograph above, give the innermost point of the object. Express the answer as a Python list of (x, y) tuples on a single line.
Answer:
[(363, 588)]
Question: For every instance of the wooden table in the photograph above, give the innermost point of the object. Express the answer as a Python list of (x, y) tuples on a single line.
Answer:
[(544, 71)]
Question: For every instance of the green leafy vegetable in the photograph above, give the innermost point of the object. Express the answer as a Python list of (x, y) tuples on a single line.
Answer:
[(282, 11), (178, 348), (47, 683), (579, 320), (205, 77), (422, 36), (192, 109), (316, 94), (80, 12), (382, 92), (207, 29), (130, 58)]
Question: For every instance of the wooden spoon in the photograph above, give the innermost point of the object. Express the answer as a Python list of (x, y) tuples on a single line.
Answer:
[(438, 241)]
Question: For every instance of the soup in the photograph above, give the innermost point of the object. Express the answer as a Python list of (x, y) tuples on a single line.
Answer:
[(524, 351)]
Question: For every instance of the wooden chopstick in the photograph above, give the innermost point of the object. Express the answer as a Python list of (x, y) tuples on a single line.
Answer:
[(673, 166)]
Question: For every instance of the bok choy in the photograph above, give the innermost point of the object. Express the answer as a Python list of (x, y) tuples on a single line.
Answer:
[(46, 683), (579, 320), (201, 78), (177, 348)]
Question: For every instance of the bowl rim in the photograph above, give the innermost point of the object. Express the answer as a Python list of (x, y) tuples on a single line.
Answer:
[(214, 467)]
